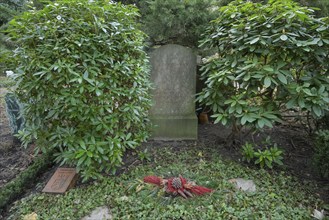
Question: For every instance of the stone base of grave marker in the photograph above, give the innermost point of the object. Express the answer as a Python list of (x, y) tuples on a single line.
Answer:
[(62, 180), (174, 128), (173, 76)]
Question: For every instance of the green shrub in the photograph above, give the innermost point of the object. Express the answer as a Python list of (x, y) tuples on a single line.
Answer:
[(269, 56), (173, 21), (83, 77), (321, 154)]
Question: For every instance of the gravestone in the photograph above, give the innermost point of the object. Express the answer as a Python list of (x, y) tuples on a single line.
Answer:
[(173, 76), (61, 181), (10, 119), (6, 133)]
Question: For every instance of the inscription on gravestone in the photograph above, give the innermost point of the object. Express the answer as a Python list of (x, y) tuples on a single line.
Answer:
[(174, 78), (62, 180)]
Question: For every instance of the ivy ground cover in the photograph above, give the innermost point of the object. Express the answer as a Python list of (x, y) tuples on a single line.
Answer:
[(278, 195)]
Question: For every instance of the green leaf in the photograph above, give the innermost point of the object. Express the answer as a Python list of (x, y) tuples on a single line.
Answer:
[(224, 121), (238, 109), (99, 92), (218, 118), (80, 154), (267, 123), (268, 163), (100, 149), (267, 82), (51, 113), (89, 154), (260, 123), (81, 161), (82, 144), (268, 68), (244, 119), (301, 102), (291, 103), (282, 78), (317, 110), (255, 40)]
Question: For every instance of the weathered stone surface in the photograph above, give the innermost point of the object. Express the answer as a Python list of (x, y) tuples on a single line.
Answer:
[(62, 180), (13, 109), (6, 134), (100, 213), (174, 78), (243, 184)]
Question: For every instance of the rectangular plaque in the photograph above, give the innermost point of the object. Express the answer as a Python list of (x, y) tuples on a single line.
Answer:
[(62, 180)]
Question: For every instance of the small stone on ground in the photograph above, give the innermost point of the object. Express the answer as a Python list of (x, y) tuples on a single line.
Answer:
[(100, 213), (244, 185)]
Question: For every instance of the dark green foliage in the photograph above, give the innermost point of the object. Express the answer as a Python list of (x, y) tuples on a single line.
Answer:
[(173, 21), (17, 186), (322, 5), (13, 108), (321, 153), (83, 79), (270, 57), (10, 8), (129, 1)]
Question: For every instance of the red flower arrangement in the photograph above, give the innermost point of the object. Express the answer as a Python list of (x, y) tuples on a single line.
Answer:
[(178, 186)]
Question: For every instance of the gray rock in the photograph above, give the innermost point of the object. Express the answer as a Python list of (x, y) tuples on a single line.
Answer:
[(174, 79), (243, 184), (100, 213)]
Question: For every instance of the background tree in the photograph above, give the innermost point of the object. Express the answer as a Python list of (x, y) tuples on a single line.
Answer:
[(9, 9), (173, 21), (270, 57), (323, 5)]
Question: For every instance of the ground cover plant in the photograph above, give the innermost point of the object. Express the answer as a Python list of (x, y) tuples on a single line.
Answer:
[(267, 154), (271, 57), (83, 78), (278, 195)]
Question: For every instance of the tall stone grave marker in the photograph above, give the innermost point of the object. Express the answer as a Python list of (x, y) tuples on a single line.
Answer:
[(174, 79)]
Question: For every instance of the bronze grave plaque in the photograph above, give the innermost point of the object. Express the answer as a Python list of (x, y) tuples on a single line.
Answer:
[(62, 180)]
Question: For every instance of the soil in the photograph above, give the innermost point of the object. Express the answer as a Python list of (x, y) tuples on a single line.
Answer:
[(293, 139), (13, 161)]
